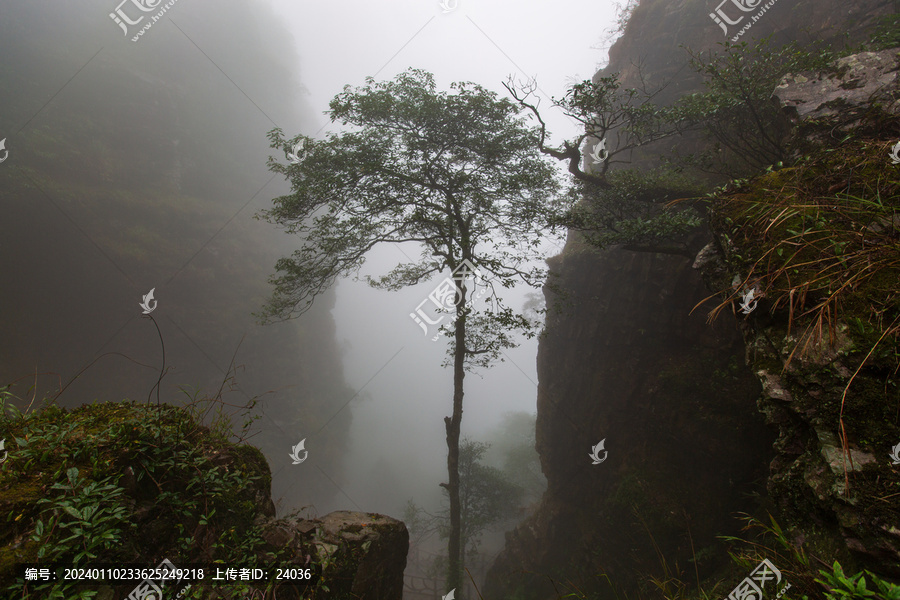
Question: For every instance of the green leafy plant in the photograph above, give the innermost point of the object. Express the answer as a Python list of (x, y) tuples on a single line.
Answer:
[(89, 514), (86, 517), (845, 587), (81, 522), (886, 34), (639, 209)]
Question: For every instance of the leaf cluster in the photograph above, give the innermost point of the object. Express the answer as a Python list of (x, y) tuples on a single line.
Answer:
[(847, 587), (743, 123), (641, 210), (87, 514), (89, 517)]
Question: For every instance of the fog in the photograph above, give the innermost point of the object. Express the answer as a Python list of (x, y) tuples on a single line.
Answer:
[(406, 393), (139, 165)]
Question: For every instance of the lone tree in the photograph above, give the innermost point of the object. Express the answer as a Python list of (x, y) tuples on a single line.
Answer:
[(459, 174)]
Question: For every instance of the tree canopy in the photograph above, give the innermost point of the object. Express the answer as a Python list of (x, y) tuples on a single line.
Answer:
[(457, 173)]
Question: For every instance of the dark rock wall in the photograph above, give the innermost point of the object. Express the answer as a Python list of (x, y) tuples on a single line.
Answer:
[(626, 361)]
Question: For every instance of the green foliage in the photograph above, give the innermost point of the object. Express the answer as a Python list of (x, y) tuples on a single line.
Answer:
[(604, 107), (637, 210), (825, 257), (90, 515), (80, 513), (844, 587), (886, 34), (747, 129), (8, 410), (795, 565), (457, 173), (750, 552)]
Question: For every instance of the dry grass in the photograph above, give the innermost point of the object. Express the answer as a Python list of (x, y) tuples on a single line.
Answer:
[(820, 241)]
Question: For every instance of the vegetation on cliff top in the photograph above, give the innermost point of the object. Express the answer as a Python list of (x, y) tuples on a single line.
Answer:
[(821, 239), (120, 482)]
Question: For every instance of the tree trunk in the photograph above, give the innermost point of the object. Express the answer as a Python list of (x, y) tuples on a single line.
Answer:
[(452, 425), (462, 554)]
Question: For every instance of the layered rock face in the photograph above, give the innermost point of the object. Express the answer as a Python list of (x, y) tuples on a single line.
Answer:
[(625, 361)]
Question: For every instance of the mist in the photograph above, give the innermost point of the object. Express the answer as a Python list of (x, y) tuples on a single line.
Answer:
[(139, 165), (405, 393)]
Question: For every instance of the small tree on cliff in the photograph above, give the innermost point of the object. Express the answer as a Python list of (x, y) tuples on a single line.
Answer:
[(460, 175), (605, 110), (619, 206), (745, 127)]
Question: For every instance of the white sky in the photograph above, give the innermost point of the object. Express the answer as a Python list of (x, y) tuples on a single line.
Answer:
[(342, 43)]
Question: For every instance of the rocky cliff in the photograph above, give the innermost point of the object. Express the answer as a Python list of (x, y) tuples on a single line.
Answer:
[(829, 390), (627, 363), (677, 400)]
